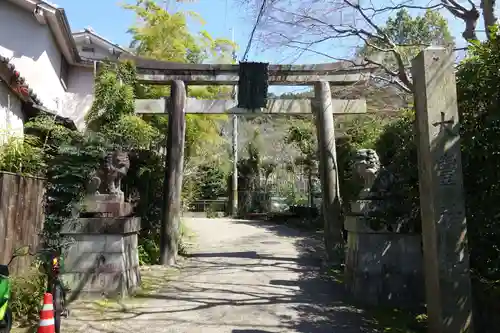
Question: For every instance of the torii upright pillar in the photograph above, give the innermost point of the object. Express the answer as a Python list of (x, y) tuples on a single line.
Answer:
[(328, 170), (174, 168)]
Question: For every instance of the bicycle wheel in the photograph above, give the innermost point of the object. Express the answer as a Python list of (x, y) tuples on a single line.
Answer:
[(7, 324), (58, 295)]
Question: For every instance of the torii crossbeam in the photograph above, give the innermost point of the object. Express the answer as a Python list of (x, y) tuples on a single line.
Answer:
[(162, 73)]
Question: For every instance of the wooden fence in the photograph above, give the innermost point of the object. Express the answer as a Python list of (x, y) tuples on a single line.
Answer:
[(21, 216)]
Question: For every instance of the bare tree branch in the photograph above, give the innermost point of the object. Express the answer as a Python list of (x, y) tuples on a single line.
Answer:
[(468, 16), (318, 26)]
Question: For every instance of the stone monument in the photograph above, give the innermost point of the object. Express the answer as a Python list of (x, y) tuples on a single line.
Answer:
[(383, 259), (103, 258), (444, 224)]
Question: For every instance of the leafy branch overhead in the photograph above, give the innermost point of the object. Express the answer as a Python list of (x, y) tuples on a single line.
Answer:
[(165, 36)]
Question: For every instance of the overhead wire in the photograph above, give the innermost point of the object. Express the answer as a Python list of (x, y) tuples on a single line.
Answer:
[(257, 21), (225, 15)]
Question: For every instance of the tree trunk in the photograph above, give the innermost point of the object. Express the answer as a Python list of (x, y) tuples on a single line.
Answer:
[(489, 17)]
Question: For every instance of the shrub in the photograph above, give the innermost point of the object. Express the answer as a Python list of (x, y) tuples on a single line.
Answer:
[(149, 246), (478, 96), (397, 151), (27, 295), (21, 155), (149, 250)]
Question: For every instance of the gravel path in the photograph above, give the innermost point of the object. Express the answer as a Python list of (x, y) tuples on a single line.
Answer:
[(242, 277)]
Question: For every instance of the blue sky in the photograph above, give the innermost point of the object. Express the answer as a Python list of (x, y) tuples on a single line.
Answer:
[(108, 19), (111, 21)]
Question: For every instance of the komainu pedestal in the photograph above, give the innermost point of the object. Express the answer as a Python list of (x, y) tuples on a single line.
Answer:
[(103, 257), (383, 263)]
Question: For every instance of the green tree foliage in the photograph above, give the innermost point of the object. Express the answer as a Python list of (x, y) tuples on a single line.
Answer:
[(22, 155), (114, 95), (213, 183), (411, 34), (162, 35), (478, 96), (166, 36), (112, 112), (302, 135), (395, 44)]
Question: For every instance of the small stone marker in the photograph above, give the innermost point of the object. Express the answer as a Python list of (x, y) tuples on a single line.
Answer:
[(444, 230)]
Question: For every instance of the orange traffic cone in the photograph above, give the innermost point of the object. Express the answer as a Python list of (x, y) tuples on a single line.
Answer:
[(47, 315)]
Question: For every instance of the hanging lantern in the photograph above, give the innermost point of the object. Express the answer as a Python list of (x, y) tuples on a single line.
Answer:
[(253, 85)]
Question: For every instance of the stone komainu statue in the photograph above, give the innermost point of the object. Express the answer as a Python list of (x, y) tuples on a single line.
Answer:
[(107, 179), (377, 180), (367, 165)]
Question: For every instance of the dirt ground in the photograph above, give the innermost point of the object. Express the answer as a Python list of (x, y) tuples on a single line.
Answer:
[(242, 277)]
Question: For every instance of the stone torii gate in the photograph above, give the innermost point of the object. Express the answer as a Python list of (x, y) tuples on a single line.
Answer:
[(178, 104)]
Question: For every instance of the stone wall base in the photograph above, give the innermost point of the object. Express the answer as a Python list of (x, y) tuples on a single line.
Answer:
[(383, 268), (102, 264), (93, 286)]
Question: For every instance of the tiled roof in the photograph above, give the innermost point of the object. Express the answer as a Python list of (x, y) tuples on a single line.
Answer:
[(91, 31), (16, 82), (33, 105)]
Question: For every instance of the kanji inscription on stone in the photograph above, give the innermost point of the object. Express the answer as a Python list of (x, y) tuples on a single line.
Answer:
[(447, 169), (446, 125)]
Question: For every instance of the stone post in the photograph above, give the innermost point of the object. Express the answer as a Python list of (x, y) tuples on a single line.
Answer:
[(444, 232), (233, 199), (173, 174), (328, 169)]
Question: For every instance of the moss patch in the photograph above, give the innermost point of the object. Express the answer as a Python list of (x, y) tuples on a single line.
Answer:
[(153, 280), (398, 321)]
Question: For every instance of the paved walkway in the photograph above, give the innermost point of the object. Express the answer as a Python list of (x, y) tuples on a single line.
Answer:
[(242, 277)]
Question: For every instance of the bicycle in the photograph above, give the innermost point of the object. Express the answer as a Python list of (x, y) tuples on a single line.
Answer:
[(55, 286)]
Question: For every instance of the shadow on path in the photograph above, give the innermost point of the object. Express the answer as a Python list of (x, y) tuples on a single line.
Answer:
[(323, 307), (279, 287)]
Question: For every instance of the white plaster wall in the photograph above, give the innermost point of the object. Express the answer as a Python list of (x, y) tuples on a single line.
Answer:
[(34, 52), (80, 94), (11, 116)]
